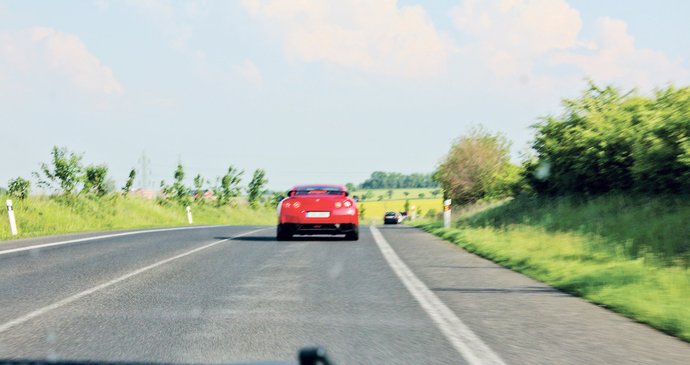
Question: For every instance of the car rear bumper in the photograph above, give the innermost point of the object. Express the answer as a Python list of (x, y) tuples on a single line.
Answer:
[(319, 228), (390, 221)]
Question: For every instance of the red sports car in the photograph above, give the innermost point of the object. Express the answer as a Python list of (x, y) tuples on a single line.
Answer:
[(318, 209)]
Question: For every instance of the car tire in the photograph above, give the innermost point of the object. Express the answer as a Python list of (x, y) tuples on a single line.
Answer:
[(283, 233), (353, 235)]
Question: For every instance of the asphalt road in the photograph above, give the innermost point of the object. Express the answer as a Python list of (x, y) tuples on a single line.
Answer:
[(234, 294)]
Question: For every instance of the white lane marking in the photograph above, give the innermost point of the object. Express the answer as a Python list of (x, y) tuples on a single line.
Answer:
[(19, 249), (38, 312), (461, 337)]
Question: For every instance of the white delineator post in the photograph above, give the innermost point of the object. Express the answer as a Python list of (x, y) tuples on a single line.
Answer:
[(446, 213), (10, 215), (189, 215)]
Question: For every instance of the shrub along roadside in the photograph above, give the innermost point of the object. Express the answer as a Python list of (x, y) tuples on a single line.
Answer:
[(580, 263), (40, 216)]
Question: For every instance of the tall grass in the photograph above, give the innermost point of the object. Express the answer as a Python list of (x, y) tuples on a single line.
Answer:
[(625, 253), (37, 216), (652, 227)]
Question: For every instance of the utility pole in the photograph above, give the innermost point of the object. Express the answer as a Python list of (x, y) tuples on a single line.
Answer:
[(144, 171)]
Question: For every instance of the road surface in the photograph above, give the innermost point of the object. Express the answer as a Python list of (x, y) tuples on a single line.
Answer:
[(231, 294)]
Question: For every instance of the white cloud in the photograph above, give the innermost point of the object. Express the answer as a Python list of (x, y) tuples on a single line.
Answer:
[(510, 34), (518, 38), (173, 20), (374, 36), (39, 51), (250, 72), (614, 57)]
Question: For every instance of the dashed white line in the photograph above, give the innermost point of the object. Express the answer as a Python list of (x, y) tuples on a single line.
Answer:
[(41, 311), (461, 337)]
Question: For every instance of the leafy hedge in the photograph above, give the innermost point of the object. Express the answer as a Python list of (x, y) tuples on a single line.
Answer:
[(612, 141)]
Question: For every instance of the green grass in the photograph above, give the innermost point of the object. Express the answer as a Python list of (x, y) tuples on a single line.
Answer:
[(39, 216), (598, 249)]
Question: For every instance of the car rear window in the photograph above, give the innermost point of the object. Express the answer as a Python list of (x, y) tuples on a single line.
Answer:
[(310, 190), (390, 214)]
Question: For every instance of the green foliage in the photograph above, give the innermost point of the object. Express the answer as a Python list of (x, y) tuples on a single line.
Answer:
[(256, 187), (362, 211), (477, 167), (19, 188), (421, 195), (608, 141), (229, 186), (407, 206), (350, 187), (396, 180), (178, 192), (389, 193), (198, 188), (64, 172), (130, 181), (94, 180)]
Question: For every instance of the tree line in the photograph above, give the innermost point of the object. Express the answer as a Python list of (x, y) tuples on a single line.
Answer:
[(605, 141), (67, 177), (395, 180)]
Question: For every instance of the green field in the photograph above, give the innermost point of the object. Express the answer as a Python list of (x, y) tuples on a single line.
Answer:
[(38, 216), (629, 254), (374, 210), (397, 193)]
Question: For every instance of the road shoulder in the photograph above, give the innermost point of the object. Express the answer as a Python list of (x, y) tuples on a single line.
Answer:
[(526, 321)]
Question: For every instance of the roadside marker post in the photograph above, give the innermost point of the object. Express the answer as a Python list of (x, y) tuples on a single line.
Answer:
[(446, 213), (189, 214), (10, 215)]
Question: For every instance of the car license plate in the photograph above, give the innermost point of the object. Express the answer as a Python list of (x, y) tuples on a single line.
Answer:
[(318, 214)]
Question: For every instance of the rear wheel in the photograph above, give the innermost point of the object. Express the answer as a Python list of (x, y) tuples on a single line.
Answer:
[(283, 233), (353, 235)]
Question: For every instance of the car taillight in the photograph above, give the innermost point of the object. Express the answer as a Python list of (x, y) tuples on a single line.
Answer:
[(338, 204), (297, 205), (347, 203), (287, 205)]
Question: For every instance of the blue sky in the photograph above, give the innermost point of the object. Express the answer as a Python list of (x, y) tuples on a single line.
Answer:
[(311, 91)]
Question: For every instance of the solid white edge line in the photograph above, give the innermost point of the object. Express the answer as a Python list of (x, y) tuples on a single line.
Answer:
[(461, 337), (35, 247), (38, 312)]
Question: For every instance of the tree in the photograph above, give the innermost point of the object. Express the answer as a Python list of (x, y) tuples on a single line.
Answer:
[(229, 186), (421, 195), (362, 211), (179, 189), (379, 198), (198, 187), (64, 171), (477, 167), (435, 192), (95, 180), (130, 182), (19, 188), (407, 205), (256, 187), (367, 195), (350, 187), (390, 194), (406, 193)]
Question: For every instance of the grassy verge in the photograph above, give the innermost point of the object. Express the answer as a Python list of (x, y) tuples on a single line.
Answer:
[(39, 216), (624, 253)]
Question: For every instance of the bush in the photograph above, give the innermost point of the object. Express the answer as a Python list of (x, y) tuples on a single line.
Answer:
[(478, 167), (19, 188), (95, 180), (608, 141)]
